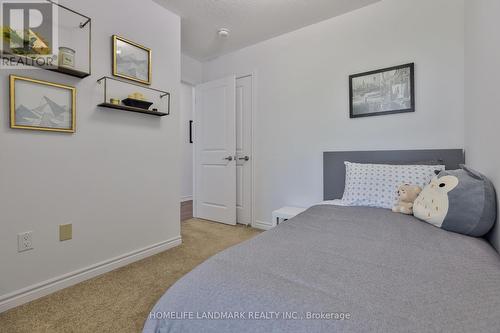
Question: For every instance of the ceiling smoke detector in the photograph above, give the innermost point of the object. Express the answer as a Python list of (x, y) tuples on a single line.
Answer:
[(223, 32)]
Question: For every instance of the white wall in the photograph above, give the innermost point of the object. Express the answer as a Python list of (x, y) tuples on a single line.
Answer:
[(482, 70), (186, 114), (116, 179), (191, 70), (302, 89)]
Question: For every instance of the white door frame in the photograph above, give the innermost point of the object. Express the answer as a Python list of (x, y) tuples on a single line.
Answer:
[(254, 76), (253, 158), (193, 100)]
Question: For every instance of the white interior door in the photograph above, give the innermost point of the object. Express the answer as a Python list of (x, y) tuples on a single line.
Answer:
[(244, 150), (215, 149)]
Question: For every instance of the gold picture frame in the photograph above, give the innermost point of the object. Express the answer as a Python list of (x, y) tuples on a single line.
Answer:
[(43, 110), (124, 70)]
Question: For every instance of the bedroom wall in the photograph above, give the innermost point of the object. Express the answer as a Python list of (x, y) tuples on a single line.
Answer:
[(302, 88), (482, 70), (191, 70), (116, 179)]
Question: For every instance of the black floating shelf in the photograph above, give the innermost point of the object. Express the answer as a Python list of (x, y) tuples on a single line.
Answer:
[(131, 109), (58, 69), (163, 95), (69, 71)]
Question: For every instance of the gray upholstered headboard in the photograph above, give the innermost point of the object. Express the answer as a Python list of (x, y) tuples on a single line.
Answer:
[(334, 169)]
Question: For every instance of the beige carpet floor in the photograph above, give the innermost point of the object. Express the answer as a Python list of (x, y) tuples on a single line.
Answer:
[(120, 301)]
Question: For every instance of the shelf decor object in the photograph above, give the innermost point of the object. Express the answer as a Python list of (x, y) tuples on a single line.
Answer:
[(137, 103), (69, 54), (163, 98), (41, 105), (131, 61), (66, 57)]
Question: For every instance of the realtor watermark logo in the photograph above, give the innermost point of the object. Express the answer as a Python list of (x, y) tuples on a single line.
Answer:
[(29, 34), (249, 315)]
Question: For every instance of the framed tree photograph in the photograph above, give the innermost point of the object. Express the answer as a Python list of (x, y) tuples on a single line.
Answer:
[(41, 105), (131, 61), (384, 91)]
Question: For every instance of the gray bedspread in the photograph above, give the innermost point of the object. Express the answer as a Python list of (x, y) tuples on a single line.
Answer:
[(380, 271)]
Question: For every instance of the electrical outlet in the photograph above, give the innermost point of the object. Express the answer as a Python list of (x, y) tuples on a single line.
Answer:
[(25, 241)]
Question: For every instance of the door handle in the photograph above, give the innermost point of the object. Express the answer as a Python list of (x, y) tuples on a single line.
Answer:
[(246, 158), (190, 131), (229, 158)]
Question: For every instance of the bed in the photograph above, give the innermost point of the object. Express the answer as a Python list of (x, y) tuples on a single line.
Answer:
[(342, 269)]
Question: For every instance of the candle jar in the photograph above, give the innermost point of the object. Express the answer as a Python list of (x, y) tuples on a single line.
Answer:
[(66, 57)]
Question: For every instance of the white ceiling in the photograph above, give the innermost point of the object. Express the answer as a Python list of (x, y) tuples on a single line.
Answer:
[(250, 21)]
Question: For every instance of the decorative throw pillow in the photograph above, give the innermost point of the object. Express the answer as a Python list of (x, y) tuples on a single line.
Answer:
[(376, 185), (462, 201)]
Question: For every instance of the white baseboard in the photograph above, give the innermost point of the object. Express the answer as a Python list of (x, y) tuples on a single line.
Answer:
[(263, 225), (187, 198), (45, 288)]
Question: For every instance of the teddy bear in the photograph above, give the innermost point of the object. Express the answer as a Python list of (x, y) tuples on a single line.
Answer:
[(407, 194)]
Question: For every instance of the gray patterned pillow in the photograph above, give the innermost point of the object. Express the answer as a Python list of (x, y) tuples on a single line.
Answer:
[(375, 185)]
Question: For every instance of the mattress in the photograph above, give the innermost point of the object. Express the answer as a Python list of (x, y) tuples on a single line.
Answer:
[(340, 269)]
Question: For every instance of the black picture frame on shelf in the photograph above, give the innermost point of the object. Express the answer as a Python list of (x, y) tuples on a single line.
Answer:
[(382, 92)]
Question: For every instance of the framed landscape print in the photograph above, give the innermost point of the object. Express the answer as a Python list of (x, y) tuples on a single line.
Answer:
[(41, 105), (385, 91), (131, 61)]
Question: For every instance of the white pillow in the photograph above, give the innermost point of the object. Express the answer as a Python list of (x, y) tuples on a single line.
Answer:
[(375, 185)]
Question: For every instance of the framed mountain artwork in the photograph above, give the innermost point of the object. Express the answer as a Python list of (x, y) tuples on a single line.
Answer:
[(131, 61), (42, 105)]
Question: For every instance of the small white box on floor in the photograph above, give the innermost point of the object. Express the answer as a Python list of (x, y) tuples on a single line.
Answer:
[(283, 214)]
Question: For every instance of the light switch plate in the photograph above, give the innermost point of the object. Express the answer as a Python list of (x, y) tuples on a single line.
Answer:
[(65, 232)]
